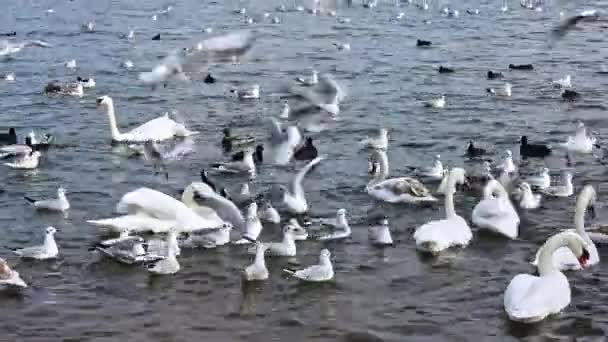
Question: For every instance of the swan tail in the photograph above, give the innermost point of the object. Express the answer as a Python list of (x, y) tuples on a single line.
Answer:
[(29, 199)]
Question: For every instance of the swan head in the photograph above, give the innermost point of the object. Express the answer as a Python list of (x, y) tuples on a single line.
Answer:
[(50, 231), (324, 256), (104, 102), (341, 214), (61, 192), (588, 197), (36, 154), (509, 153)]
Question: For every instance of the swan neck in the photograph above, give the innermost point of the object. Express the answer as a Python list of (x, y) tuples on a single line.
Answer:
[(545, 259), (188, 197), (382, 172), (449, 197), (112, 117), (582, 203)]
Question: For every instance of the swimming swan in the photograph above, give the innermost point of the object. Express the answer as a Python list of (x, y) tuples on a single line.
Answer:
[(495, 211), (161, 128), (529, 298), (435, 236)]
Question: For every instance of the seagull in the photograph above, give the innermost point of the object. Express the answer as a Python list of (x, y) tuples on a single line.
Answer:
[(295, 200), (378, 143), (9, 277), (565, 82), (128, 252), (10, 77), (56, 204), (10, 48), (169, 264), (257, 270), (314, 79), (247, 93), (253, 226), (436, 103), (269, 214), (190, 60), (216, 238), (318, 273), (71, 64), (326, 95), (571, 22), (48, 250), (27, 161), (287, 246), (341, 228), (504, 91), (380, 234)]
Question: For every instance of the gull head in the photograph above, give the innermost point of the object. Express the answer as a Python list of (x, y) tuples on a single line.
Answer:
[(61, 192), (509, 153), (325, 254), (50, 231), (341, 213), (104, 102)]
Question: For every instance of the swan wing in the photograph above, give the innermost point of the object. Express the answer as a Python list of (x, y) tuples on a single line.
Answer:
[(161, 128), (529, 298), (135, 223), (441, 234)]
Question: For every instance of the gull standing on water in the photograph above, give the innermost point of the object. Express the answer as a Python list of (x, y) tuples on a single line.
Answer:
[(55, 204), (257, 270), (341, 229), (380, 234), (321, 272), (168, 265), (48, 249)]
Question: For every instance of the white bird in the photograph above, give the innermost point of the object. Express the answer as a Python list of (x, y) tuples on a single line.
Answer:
[(504, 91), (314, 79), (507, 164), (70, 89), (300, 234), (342, 46), (380, 234), (379, 143), (564, 190), (444, 182), (247, 93), (321, 272), (253, 226), (223, 48), (87, 83), (436, 103), (71, 64), (285, 111), (326, 95), (48, 249), (60, 203), (128, 252), (160, 246), (10, 77), (495, 211), (128, 64), (89, 27), (161, 128), (400, 15), (580, 142), (565, 82), (398, 189), (528, 199), (269, 214), (530, 298), (341, 229), (9, 48), (9, 277), (25, 161), (287, 246), (257, 270), (541, 181), (563, 259), (169, 264), (436, 236), (434, 172), (213, 239), (295, 199), (246, 165), (283, 142)]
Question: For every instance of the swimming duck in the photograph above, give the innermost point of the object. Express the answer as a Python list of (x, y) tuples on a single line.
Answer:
[(9, 138), (521, 66), (420, 42), (156, 37), (533, 150), (307, 151), (209, 79), (494, 75), (445, 70), (570, 95)]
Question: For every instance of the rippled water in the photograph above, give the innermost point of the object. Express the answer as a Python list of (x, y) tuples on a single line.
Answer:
[(392, 294)]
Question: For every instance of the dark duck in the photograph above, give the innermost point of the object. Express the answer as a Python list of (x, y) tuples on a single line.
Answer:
[(307, 151), (533, 150), (474, 152)]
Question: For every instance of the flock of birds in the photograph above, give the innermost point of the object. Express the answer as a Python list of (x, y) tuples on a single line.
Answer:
[(208, 215)]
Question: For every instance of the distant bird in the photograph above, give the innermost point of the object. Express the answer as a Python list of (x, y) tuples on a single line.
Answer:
[(89, 27), (10, 77), (342, 46), (533, 150), (307, 151), (521, 66), (565, 82), (258, 155), (504, 91), (247, 93), (60, 203), (570, 23), (445, 70), (473, 11), (494, 75), (70, 89), (9, 138), (474, 152), (9, 34), (209, 79), (570, 95), (436, 103), (86, 82), (420, 42), (9, 47), (156, 37)]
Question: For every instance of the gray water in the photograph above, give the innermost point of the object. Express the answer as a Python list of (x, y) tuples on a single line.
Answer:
[(394, 294)]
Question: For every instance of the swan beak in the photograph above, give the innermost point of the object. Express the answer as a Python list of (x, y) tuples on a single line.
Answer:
[(592, 211)]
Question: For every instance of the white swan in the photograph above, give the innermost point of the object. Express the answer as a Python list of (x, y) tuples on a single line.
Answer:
[(495, 211), (435, 236), (563, 259), (564, 190), (528, 199), (321, 272), (295, 200), (529, 298), (161, 128), (257, 270), (48, 249), (151, 210), (580, 142), (395, 190), (9, 277)]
